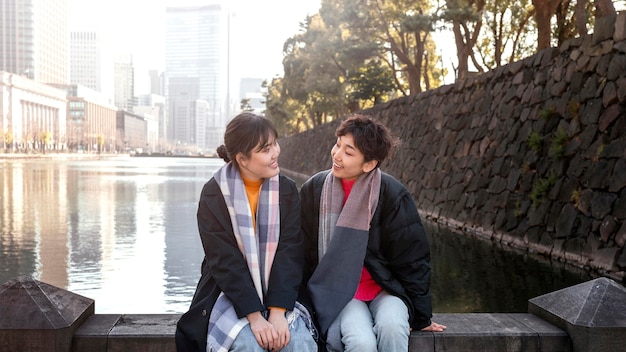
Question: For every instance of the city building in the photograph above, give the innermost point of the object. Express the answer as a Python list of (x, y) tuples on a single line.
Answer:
[(86, 59), (34, 39), (197, 69), (91, 120), (153, 105), (251, 95), (156, 82), (124, 82), (32, 115), (138, 132)]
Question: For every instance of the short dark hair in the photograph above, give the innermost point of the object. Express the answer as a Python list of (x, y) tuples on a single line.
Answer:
[(372, 138), (245, 132)]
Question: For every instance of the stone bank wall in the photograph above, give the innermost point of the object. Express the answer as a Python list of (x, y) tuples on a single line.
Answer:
[(532, 154)]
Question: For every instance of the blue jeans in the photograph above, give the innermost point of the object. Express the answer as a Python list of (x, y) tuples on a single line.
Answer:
[(379, 325), (300, 340)]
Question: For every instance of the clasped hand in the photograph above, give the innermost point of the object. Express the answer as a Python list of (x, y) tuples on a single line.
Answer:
[(273, 333)]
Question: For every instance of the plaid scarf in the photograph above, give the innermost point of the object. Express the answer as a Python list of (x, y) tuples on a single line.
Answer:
[(343, 236), (258, 250)]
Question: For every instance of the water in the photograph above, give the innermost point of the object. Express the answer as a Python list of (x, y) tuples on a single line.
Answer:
[(123, 232)]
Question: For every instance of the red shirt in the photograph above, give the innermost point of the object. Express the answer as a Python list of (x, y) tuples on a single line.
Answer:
[(368, 288)]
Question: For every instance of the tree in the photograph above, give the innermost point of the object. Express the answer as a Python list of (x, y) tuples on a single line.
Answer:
[(45, 137), (466, 19), (544, 10), (504, 39), (286, 113), (371, 82), (604, 8), (8, 139), (313, 77), (400, 30), (245, 105), (100, 140)]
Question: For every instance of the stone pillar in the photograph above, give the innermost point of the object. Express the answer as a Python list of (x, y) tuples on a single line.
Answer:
[(35, 316), (592, 313)]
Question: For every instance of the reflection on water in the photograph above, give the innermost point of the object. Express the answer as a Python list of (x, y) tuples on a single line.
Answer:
[(123, 232), (471, 275)]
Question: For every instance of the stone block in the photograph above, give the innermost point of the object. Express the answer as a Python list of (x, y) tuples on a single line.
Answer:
[(131, 332), (592, 313), (92, 336), (603, 29), (35, 316), (620, 27), (491, 332)]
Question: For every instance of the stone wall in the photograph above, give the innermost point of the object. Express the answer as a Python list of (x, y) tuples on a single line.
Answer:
[(531, 154)]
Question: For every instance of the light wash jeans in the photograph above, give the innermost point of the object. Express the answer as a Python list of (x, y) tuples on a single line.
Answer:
[(380, 325), (300, 340)]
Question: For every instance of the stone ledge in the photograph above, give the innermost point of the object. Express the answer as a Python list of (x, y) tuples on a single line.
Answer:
[(491, 332), (466, 332)]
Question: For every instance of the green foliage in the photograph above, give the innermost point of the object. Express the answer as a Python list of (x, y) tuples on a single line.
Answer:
[(245, 105), (371, 82), (547, 113), (575, 198), (558, 143), (600, 149), (540, 189), (534, 141)]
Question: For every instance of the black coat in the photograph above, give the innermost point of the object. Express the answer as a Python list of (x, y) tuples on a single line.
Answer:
[(398, 253), (225, 269)]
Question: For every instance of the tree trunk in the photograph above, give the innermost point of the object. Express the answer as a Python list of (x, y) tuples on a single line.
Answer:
[(581, 17), (462, 55), (604, 8), (544, 9)]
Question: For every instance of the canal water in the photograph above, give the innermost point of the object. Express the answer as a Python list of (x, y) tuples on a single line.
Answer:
[(123, 232)]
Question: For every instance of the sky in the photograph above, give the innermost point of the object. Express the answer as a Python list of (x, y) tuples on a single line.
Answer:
[(137, 27)]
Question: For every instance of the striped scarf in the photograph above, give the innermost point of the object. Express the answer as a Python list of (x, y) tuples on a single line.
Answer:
[(259, 251), (342, 242)]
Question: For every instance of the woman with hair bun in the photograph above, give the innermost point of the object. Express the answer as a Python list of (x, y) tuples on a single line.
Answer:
[(249, 224)]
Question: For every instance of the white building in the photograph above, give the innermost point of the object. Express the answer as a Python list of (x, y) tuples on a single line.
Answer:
[(33, 115), (33, 39), (124, 82), (153, 105), (86, 59), (196, 68)]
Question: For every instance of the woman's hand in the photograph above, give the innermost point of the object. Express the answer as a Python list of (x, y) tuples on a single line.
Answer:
[(434, 327), (279, 321), (264, 332)]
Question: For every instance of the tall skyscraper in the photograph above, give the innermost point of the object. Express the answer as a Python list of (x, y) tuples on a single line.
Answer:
[(33, 39), (197, 49), (85, 59), (124, 82)]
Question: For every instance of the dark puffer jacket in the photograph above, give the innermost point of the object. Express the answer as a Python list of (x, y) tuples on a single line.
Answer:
[(225, 269), (398, 253)]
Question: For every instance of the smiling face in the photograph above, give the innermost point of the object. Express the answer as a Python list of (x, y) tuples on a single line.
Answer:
[(262, 161), (348, 162)]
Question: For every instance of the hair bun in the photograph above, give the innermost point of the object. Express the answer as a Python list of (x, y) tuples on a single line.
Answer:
[(222, 153)]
